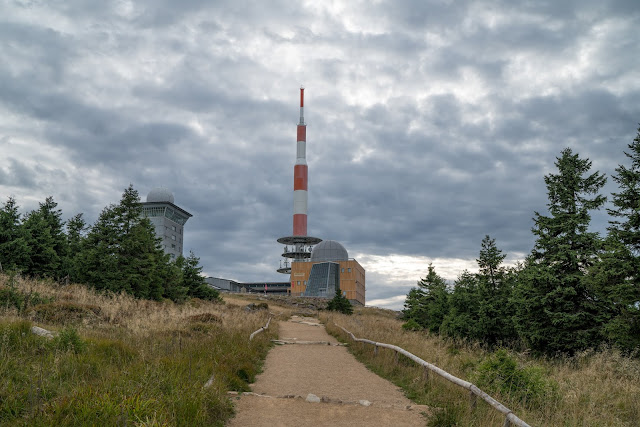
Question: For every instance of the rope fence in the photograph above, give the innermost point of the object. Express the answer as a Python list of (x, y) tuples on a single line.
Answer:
[(510, 417)]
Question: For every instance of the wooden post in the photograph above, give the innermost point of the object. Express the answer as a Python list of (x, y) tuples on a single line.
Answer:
[(395, 359), (375, 350), (425, 374), (472, 400), (507, 423)]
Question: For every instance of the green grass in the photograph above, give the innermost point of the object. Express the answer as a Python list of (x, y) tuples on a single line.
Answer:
[(120, 361), (72, 380)]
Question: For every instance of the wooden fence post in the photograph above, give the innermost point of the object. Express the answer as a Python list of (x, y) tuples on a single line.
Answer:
[(395, 359), (472, 400), (375, 350), (425, 374)]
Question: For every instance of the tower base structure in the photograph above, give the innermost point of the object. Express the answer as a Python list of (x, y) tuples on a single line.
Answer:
[(297, 248)]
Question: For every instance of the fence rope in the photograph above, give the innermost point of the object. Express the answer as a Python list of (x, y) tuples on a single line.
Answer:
[(510, 417)]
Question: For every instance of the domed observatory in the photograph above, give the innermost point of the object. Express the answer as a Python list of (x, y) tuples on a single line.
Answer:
[(167, 218), (329, 266)]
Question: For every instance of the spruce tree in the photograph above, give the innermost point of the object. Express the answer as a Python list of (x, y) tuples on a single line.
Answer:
[(46, 240), (493, 293), (555, 304), (193, 280), (340, 303), (428, 305), (618, 278), (461, 320), (14, 252), (76, 228)]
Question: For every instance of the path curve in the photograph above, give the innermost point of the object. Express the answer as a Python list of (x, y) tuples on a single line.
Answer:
[(318, 366)]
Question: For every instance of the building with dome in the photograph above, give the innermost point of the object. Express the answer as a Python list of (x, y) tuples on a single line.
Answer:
[(328, 266), (167, 218)]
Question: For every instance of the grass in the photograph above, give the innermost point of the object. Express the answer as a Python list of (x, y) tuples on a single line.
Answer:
[(593, 388), (121, 361)]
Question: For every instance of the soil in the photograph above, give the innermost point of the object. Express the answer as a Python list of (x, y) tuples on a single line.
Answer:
[(350, 394)]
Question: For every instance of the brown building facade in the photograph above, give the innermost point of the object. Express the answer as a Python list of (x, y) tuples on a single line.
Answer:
[(352, 278)]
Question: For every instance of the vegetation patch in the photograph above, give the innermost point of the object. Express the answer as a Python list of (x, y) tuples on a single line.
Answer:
[(204, 318), (63, 312), (529, 385)]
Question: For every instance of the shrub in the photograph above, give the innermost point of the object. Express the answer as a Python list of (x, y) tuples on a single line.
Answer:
[(411, 325), (500, 373), (69, 340), (340, 304)]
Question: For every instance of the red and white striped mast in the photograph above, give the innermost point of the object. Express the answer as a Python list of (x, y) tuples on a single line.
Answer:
[(298, 246), (300, 176)]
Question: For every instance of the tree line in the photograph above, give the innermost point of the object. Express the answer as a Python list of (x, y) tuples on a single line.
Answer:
[(575, 290), (119, 252)]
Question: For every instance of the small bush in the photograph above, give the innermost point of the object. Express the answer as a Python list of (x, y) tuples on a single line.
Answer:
[(340, 303), (69, 340), (411, 325), (500, 373), (13, 298)]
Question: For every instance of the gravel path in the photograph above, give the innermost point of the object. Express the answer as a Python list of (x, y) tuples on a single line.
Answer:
[(350, 394)]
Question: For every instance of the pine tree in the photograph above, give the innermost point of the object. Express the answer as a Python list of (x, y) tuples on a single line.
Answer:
[(627, 201), (494, 293), (14, 252), (461, 320), (618, 276), (46, 240), (193, 280), (428, 305), (555, 304), (76, 228), (340, 303)]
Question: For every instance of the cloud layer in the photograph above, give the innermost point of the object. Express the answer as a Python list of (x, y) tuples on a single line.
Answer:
[(430, 123)]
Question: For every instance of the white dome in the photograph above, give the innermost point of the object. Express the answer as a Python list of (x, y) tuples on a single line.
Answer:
[(329, 250), (160, 194)]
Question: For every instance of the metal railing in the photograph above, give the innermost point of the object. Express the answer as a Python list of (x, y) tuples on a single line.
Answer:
[(510, 417)]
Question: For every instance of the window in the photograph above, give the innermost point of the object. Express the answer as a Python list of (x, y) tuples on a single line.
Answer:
[(349, 269), (342, 270), (173, 246), (298, 282), (173, 227), (173, 237)]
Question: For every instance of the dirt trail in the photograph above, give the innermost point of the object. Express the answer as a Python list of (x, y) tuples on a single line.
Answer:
[(351, 394)]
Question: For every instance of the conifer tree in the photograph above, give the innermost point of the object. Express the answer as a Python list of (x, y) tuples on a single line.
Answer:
[(76, 228), (555, 308), (46, 241), (340, 303), (618, 276), (193, 280), (428, 305), (494, 292), (461, 320), (14, 252)]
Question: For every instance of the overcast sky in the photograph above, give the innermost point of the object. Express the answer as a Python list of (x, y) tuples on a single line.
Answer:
[(430, 123)]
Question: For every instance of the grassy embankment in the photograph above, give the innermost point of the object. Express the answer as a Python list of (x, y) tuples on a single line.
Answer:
[(590, 389), (121, 361)]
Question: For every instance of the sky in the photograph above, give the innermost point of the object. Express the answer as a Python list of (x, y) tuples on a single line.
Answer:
[(430, 124)]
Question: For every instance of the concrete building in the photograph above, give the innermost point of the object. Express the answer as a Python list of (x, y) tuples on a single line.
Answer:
[(270, 288), (329, 264), (167, 218)]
